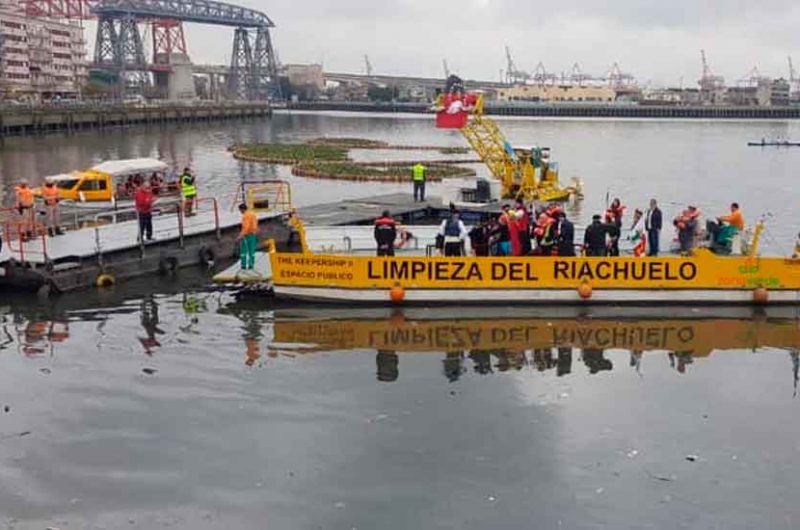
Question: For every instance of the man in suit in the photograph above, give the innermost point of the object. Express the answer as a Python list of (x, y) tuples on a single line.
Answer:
[(652, 224)]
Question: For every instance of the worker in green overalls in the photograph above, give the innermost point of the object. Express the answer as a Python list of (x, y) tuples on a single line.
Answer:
[(188, 191), (419, 175)]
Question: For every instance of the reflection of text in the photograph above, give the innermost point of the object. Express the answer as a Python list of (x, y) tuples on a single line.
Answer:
[(444, 337)]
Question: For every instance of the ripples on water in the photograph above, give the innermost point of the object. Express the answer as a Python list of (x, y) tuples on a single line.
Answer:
[(195, 410)]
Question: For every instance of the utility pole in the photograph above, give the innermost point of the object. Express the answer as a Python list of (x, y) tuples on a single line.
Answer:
[(446, 69)]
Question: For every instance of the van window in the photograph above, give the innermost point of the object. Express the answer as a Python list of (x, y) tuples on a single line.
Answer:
[(93, 185), (67, 184)]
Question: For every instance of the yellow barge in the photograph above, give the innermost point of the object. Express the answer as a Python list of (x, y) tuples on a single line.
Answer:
[(701, 278)]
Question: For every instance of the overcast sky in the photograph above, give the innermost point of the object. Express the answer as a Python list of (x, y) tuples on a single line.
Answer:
[(658, 42)]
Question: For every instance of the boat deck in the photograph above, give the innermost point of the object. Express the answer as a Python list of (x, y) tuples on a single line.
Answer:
[(114, 237), (400, 205), (261, 273)]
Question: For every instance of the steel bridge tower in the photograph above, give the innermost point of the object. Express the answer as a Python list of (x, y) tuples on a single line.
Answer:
[(119, 45), (119, 48), (254, 69)]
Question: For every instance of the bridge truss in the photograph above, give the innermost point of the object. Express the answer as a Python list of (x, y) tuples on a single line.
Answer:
[(119, 46)]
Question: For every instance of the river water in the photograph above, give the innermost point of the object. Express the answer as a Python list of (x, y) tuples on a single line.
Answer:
[(165, 403)]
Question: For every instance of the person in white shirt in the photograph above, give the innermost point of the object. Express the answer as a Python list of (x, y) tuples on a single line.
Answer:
[(453, 233)]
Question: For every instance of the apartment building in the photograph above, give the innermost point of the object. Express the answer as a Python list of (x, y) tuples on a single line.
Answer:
[(40, 59)]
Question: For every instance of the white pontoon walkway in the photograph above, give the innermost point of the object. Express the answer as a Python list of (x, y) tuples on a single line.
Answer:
[(114, 237)]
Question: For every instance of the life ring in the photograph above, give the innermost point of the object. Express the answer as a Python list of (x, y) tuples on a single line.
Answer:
[(206, 255), (167, 264), (105, 280)]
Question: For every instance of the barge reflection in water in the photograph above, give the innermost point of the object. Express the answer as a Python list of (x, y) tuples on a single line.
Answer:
[(189, 397), (500, 343)]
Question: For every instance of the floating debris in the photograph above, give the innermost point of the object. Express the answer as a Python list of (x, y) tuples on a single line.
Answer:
[(379, 417), (662, 478), (14, 435)]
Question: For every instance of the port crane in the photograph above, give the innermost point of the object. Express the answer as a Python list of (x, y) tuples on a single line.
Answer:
[(514, 76), (794, 81)]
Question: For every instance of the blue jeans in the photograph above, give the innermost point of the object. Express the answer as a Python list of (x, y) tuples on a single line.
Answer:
[(652, 242)]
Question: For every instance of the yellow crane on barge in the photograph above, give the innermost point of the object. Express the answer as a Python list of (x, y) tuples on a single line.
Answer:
[(526, 173)]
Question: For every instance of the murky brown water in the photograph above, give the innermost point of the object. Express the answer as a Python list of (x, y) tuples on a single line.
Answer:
[(165, 404)]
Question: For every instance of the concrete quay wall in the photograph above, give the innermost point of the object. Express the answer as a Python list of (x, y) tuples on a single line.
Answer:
[(34, 120), (573, 111)]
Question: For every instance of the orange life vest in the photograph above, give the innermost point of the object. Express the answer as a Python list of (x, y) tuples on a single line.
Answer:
[(50, 194), (24, 197)]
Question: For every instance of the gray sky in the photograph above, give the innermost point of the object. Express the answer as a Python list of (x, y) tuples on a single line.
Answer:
[(656, 41)]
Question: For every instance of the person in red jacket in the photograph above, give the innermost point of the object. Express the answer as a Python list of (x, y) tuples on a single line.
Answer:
[(514, 232), (143, 201), (385, 234), (524, 224)]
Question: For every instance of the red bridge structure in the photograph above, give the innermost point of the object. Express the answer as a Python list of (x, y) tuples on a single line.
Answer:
[(120, 50)]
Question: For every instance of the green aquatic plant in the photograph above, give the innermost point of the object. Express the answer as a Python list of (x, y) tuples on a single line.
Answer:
[(377, 172), (290, 153), (350, 143)]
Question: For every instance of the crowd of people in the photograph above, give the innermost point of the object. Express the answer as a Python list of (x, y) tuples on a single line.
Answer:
[(158, 184), (522, 230)]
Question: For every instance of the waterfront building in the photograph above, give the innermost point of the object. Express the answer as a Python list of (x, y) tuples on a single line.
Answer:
[(780, 90), (671, 96), (306, 81), (764, 93), (558, 93), (40, 59)]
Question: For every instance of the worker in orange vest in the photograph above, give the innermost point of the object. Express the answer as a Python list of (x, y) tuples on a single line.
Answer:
[(24, 198), (25, 208), (53, 216), (248, 238)]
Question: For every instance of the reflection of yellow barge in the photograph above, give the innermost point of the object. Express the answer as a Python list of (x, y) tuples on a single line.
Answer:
[(696, 336), (703, 278)]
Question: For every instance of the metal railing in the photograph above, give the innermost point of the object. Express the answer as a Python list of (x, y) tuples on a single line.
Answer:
[(17, 233), (174, 208), (271, 195)]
